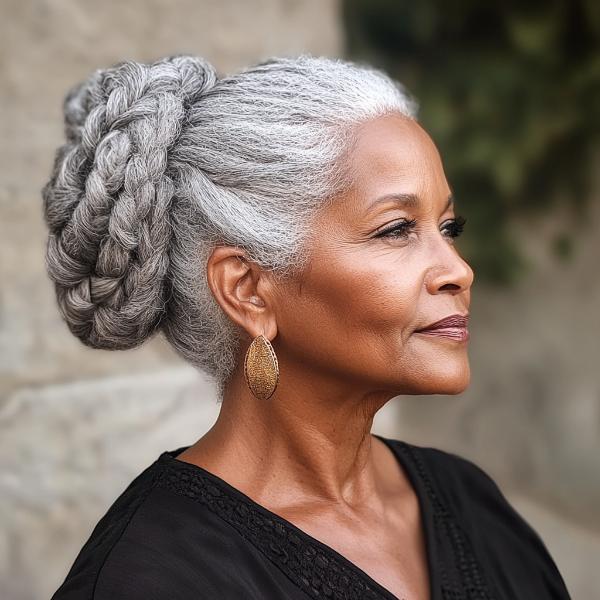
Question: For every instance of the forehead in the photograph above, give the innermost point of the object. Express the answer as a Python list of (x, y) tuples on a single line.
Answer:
[(394, 154)]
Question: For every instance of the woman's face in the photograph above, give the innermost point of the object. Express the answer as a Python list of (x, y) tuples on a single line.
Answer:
[(355, 312)]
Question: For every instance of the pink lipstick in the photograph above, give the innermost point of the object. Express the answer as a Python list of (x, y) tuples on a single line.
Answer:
[(453, 327)]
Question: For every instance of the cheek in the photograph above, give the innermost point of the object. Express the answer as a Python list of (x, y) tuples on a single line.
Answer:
[(381, 299), (363, 303)]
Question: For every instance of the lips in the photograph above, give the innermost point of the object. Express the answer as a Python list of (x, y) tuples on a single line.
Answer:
[(453, 327)]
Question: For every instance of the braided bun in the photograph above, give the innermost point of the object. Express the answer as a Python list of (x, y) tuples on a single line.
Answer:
[(107, 201), (163, 163)]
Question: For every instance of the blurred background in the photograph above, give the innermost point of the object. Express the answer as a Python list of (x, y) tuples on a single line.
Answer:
[(510, 92)]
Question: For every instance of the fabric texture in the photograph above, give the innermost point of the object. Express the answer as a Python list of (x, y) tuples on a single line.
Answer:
[(179, 532)]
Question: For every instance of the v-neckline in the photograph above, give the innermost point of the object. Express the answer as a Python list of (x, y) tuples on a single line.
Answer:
[(425, 512)]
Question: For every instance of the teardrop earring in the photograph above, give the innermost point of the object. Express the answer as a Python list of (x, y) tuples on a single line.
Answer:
[(261, 369)]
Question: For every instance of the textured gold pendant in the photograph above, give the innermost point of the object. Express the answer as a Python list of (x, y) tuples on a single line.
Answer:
[(260, 368)]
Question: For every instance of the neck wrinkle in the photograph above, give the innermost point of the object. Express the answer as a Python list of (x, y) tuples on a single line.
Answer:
[(290, 450)]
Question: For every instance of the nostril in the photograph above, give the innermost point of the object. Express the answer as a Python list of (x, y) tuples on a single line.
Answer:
[(450, 286)]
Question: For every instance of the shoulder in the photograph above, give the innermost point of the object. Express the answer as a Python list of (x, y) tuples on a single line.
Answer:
[(136, 548), (465, 494), (470, 492), (169, 549), (154, 543), (462, 482), (81, 579)]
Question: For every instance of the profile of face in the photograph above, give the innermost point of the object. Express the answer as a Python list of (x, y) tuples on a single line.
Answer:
[(383, 265)]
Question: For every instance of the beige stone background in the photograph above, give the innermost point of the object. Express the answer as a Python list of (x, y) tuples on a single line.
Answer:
[(76, 425)]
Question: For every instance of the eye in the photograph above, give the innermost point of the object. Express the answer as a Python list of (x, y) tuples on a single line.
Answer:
[(400, 230), (454, 227)]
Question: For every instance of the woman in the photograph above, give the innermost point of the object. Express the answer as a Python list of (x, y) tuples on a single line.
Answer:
[(290, 230)]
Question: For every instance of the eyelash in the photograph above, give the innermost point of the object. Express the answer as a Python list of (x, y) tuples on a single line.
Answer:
[(403, 228)]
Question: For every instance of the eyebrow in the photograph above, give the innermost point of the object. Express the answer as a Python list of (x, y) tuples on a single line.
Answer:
[(406, 200)]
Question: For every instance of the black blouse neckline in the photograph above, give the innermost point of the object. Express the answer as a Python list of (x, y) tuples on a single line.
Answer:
[(377, 590)]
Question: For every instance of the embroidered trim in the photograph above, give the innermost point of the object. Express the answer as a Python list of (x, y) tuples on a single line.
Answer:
[(465, 579), (317, 571), (319, 574)]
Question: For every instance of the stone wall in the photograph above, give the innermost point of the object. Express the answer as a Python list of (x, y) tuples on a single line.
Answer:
[(77, 424)]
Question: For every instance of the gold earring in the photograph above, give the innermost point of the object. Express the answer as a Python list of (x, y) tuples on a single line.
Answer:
[(260, 368)]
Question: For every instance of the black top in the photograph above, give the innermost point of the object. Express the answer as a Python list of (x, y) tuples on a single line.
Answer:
[(179, 532)]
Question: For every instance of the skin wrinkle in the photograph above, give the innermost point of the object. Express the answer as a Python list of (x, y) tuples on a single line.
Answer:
[(346, 345)]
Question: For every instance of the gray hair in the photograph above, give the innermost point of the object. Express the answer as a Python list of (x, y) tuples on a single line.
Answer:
[(164, 161)]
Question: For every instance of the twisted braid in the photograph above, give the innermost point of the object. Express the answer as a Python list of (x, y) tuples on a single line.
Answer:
[(107, 202)]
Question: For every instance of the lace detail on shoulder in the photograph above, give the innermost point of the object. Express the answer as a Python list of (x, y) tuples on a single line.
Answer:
[(320, 574), (464, 579)]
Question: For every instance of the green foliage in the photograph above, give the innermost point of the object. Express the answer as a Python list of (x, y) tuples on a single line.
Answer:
[(510, 93)]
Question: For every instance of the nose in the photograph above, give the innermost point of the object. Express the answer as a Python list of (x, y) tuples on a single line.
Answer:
[(450, 273)]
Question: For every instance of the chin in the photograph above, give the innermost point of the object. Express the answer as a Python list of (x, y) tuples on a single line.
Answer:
[(446, 382), (454, 383), (459, 388)]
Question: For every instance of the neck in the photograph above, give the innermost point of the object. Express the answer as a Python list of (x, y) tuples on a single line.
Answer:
[(310, 442)]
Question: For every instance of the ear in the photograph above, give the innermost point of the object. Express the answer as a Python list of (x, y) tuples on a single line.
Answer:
[(243, 290)]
